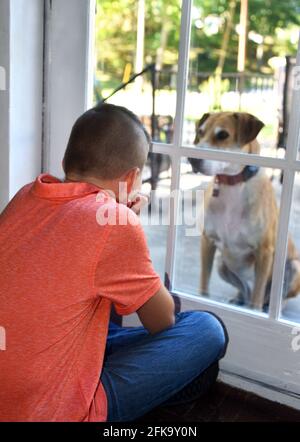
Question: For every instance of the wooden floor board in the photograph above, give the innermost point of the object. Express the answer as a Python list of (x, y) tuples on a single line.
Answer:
[(224, 404)]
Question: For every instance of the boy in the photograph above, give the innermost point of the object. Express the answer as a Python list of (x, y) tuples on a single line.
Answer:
[(62, 270)]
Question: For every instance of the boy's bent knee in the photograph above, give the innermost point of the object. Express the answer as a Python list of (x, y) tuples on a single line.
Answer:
[(208, 324), (220, 336), (219, 332)]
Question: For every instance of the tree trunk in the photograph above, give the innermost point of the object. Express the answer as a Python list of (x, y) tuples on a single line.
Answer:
[(225, 41), (165, 29)]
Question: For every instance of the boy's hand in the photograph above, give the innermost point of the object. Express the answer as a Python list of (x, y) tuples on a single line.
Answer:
[(138, 202)]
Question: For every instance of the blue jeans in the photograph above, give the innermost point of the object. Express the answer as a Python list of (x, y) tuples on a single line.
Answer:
[(141, 371)]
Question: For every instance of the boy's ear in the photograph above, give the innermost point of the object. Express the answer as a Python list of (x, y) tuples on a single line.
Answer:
[(131, 177)]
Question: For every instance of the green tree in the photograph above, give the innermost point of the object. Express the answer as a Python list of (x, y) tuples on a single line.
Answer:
[(273, 20), (116, 22), (265, 18)]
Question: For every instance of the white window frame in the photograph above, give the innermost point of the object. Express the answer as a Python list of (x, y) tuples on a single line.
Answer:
[(260, 356), (68, 73), (21, 97)]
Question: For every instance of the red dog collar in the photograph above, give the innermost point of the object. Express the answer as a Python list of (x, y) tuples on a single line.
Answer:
[(230, 180)]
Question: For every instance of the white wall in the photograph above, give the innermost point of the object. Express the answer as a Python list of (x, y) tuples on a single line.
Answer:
[(21, 54)]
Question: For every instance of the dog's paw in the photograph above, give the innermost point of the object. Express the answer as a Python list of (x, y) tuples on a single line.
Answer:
[(237, 300), (257, 307)]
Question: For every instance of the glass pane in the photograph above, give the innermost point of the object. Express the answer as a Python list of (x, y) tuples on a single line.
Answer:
[(154, 216), (227, 75), (291, 288), (238, 228), (131, 36)]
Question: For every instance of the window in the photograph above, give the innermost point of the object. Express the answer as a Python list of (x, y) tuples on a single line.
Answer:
[(193, 78)]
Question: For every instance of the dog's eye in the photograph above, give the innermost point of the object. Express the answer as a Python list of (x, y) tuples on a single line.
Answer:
[(200, 132), (222, 135)]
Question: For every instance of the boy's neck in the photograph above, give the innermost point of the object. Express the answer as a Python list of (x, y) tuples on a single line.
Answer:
[(108, 185)]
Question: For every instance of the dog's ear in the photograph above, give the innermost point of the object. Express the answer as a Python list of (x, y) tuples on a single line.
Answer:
[(203, 119), (198, 124), (247, 127)]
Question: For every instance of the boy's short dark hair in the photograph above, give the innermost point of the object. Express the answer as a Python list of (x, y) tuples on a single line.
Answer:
[(105, 142)]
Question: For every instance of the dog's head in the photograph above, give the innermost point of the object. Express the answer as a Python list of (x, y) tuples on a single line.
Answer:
[(234, 131)]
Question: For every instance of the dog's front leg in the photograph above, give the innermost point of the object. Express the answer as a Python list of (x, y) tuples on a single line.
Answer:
[(208, 249), (263, 269)]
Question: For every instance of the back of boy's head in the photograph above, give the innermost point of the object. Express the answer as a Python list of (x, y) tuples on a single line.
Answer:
[(106, 142)]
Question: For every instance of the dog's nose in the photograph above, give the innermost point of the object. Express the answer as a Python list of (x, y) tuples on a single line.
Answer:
[(196, 164)]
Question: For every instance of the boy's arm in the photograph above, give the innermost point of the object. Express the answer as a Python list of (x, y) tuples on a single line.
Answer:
[(125, 275), (158, 313)]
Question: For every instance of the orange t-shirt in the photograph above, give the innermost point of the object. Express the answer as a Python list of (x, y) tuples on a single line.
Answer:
[(60, 271)]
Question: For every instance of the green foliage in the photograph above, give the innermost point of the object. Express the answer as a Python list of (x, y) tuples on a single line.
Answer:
[(161, 13), (266, 17), (115, 34), (116, 26), (274, 20)]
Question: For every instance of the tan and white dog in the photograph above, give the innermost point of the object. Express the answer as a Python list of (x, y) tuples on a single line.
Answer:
[(241, 214)]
